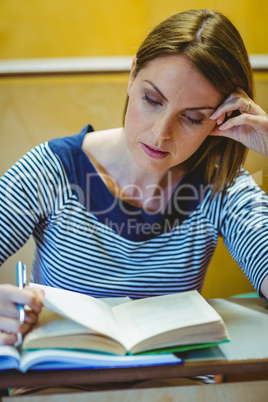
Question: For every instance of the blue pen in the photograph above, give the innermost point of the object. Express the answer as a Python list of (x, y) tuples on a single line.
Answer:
[(21, 282)]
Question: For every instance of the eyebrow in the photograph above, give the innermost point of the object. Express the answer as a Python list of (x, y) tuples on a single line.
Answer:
[(157, 89), (188, 108)]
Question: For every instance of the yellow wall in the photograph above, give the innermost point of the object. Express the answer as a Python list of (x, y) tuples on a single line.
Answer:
[(67, 28)]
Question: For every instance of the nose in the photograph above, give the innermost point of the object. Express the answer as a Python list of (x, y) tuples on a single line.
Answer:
[(162, 128)]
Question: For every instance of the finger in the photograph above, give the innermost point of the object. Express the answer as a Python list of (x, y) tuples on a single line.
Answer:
[(30, 317), (7, 338), (227, 108), (12, 325), (242, 119), (9, 324), (35, 301), (10, 296), (25, 327), (37, 291), (221, 119), (8, 309), (11, 311), (237, 100), (27, 296)]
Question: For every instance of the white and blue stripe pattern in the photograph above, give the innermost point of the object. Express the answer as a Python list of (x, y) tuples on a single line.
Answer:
[(136, 254)]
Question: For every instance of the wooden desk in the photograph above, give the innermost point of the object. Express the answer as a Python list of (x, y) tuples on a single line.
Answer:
[(133, 374), (112, 390), (251, 370)]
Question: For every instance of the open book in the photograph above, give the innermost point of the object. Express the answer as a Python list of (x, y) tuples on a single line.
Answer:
[(71, 320)]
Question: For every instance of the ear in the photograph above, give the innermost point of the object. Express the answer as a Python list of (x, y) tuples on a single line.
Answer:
[(131, 76), (215, 132)]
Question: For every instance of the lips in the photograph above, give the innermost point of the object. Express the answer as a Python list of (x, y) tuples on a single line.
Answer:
[(153, 152)]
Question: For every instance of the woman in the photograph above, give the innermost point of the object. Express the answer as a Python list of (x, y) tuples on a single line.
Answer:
[(137, 210)]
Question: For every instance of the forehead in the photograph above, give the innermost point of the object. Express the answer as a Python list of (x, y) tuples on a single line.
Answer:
[(175, 74)]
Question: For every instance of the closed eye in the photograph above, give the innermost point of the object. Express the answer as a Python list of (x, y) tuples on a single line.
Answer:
[(194, 121), (149, 100)]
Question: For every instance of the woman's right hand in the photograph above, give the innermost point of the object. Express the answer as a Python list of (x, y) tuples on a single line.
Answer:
[(10, 296), (250, 127)]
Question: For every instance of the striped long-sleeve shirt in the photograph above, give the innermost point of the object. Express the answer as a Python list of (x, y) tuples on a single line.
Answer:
[(89, 241)]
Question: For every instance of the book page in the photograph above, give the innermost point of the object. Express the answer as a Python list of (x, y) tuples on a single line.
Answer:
[(85, 310), (51, 324), (115, 301), (145, 318), (52, 359), (9, 357)]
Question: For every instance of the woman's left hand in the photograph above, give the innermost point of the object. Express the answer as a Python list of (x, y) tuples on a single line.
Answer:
[(250, 127)]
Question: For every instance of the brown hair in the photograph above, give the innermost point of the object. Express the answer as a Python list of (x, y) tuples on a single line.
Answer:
[(214, 46)]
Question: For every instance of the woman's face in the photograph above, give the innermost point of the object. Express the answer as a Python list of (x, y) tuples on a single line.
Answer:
[(168, 113)]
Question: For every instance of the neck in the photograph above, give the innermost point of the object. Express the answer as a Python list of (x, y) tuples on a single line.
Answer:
[(145, 189)]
